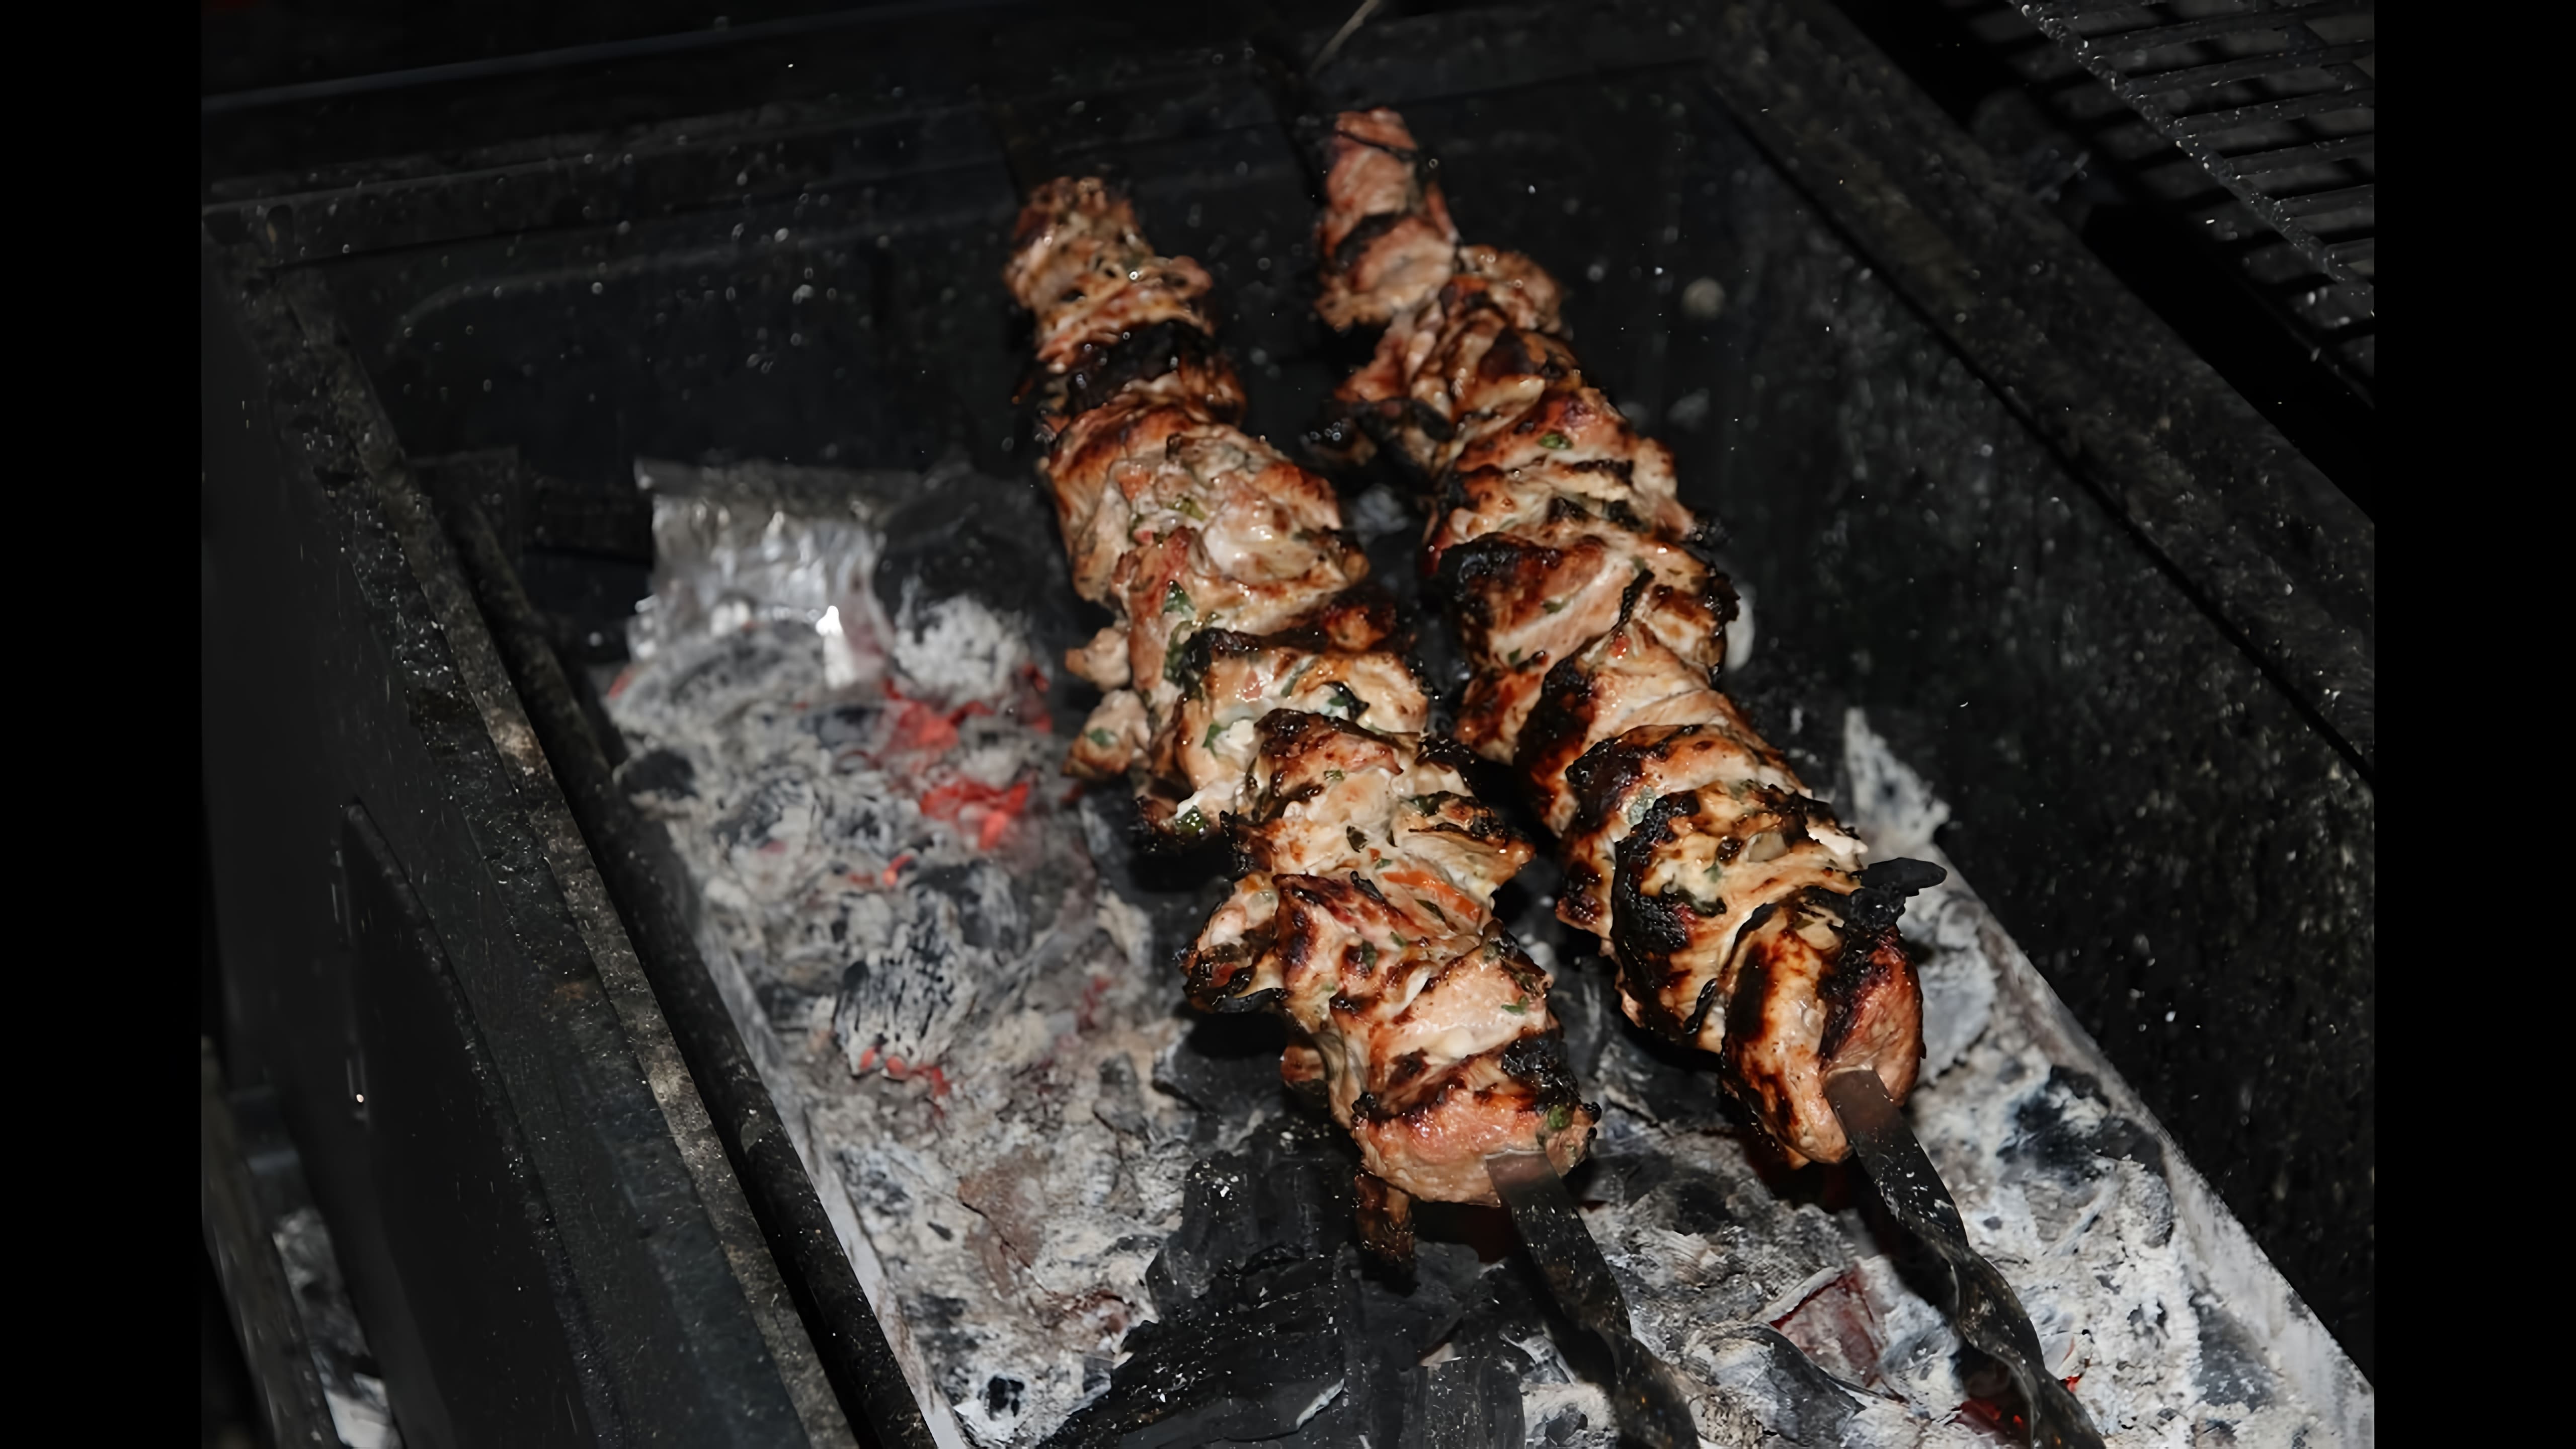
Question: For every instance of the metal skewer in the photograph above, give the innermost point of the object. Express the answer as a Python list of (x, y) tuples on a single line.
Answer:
[(1644, 1397), (1987, 1313)]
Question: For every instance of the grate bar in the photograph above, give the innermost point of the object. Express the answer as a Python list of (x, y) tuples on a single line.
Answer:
[(2312, 153), (2323, 103), (2156, 37), (2364, 250), (2255, 67), (2066, 10), (2318, 203)]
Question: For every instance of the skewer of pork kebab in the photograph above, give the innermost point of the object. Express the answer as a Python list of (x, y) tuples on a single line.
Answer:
[(1251, 694), (1248, 690), (1736, 909)]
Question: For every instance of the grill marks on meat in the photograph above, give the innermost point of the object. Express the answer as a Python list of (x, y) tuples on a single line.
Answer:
[(1723, 891), (1250, 692)]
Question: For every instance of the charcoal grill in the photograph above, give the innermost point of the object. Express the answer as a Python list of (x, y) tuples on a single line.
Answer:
[(2130, 638)]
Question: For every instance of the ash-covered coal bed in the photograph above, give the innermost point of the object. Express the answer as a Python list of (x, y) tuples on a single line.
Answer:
[(1087, 1217)]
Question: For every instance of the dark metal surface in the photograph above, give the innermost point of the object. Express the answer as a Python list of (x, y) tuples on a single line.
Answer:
[(536, 1236), (1984, 1308), (648, 889), (1649, 1404)]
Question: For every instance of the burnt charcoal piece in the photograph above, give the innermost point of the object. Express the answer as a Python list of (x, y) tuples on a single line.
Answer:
[(1228, 1066), (1699, 1205), (1252, 1359), (659, 774), (987, 901), (786, 1007), (843, 727), (1285, 1196), (2046, 1135), (1795, 1399), (1563, 1426), (1270, 1329), (1500, 1307), (968, 534), (1295, 1351), (1628, 1178), (1665, 1082), (1466, 1403), (1002, 1395), (1393, 1327)]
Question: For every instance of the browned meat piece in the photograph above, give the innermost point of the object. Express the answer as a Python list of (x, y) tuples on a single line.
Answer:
[(1248, 694), (1723, 891), (1435, 1041), (1393, 244)]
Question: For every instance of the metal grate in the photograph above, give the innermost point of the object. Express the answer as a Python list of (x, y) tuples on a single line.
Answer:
[(2276, 103)]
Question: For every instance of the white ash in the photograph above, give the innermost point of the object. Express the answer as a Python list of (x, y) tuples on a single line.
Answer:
[(959, 1024), (956, 649), (1377, 512)]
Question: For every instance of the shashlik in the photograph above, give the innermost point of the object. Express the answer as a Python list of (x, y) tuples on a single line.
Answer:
[(1729, 898), (1251, 691)]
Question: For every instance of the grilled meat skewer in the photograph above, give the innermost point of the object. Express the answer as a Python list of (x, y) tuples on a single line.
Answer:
[(1730, 899), (1250, 692)]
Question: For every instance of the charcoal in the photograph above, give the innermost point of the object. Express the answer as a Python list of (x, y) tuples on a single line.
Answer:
[(967, 535), (1655, 1079), (666, 774), (1394, 1327), (1285, 1196), (987, 901), (1562, 1426), (1226, 1065), (843, 727), (1699, 1204), (2067, 1128), (1271, 1330), (777, 799), (902, 999), (1254, 1357), (1465, 1403), (1758, 1368), (785, 1006), (1498, 1311)]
